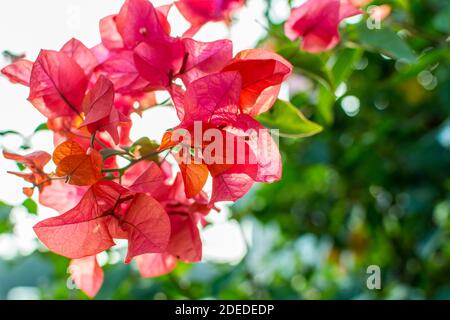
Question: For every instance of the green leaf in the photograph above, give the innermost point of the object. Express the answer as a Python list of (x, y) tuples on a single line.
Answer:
[(42, 127), (145, 147), (4, 133), (30, 205), (386, 41), (427, 60), (341, 70), (325, 103), (289, 120), (5, 223), (344, 64), (108, 153), (309, 64)]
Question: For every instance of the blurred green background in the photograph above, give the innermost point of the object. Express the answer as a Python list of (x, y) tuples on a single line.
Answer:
[(371, 189)]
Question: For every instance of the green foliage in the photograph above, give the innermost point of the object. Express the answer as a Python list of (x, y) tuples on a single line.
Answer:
[(41, 127), (5, 223), (146, 147), (289, 120), (386, 41), (309, 64), (31, 206)]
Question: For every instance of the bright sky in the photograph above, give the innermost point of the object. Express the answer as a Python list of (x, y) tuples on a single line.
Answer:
[(26, 26)]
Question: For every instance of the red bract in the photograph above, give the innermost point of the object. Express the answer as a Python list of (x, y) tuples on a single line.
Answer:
[(149, 181), (61, 196), (200, 12), (155, 264), (111, 37), (262, 73), (204, 58), (81, 54), (158, 61), (57, 85), (317, 23), (19, 71), (121, 70), (137, 25), (89, 228), (185, 213), (147, 225), (87, 274), (212, 99), (35, 162), (138, 21), (98, 105), (83, 230)]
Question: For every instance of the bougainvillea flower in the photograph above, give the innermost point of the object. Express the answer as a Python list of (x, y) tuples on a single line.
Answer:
[(98, 105), (317, 23), (204, 58), (137, 22), (67, 128), (149, 181), (57, 85), (87, 275), (185, 242), (200, 12), (88, 96), (147, 225), (19, 71), (262, 162), (262, 73), (138, 40), (89, 228), (35, 162), (262, 146), (81, 54), (214, 101), (231, 185), (111, 37), (80, 167), (158, 61), (155, 264), (185, 214), (121, 71), (83, 230)]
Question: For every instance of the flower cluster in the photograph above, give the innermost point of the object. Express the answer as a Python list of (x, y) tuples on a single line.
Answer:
[(88, 95)]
